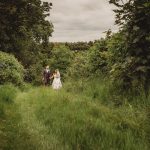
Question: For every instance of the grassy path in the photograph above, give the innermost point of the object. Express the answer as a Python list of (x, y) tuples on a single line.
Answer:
[(13, 135), (35, 128)]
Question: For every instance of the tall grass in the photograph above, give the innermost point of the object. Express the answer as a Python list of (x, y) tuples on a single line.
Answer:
[(12, 134), (7, 93), (84, 115), (73, 118), (106, 92)]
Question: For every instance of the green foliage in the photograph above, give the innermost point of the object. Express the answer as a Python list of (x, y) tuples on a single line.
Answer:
[(97, 57), (79, 66), (133, 16), (23, 21), (7, 93), (61, 58), (34, 60), (119, 65), (7, 96), (84, 111), (12, 133), (30, 54), (2, 113), (84, 119), (117, 48), (34, 74), (79, 46), (11, 71), (25, 32)]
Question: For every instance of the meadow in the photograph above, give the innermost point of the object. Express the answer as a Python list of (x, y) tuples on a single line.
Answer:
[(105, 100), (81, 116)]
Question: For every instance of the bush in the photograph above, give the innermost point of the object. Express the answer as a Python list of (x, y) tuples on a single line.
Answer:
[(11, 71), (61, 58), (97, 57), (34, 74), (79, 67)]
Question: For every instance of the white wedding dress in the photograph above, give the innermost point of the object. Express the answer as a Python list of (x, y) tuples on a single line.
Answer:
[(56, 82)]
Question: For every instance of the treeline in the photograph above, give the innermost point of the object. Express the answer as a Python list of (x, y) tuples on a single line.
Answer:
[(79, 46), (123, 57), (75, 46)]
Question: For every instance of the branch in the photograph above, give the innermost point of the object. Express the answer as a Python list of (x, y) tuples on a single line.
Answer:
[(122, 2), (115, 3)]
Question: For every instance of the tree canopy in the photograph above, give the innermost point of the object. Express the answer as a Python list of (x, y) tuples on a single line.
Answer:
[(133, 18), (23, 21)]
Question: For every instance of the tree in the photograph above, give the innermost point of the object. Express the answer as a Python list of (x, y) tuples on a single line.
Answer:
[(22, 22), (79, 66), (79, 46), (61, 58), (133, 18), (97, 57)]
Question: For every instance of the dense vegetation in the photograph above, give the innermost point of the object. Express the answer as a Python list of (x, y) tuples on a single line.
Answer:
[(76, 117), (11, 70), (105, 100)]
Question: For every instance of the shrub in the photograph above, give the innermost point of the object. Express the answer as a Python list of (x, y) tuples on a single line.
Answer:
[(11, 71), (97, 57), (79, 67), (61, 58), (34, 74)]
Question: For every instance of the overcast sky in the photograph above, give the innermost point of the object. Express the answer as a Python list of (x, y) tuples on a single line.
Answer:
[(80, 20)]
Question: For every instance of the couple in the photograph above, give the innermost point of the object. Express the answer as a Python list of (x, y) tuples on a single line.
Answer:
[(47, 76)]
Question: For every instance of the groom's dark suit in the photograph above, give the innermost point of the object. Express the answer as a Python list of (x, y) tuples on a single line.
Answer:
[(46, 76)]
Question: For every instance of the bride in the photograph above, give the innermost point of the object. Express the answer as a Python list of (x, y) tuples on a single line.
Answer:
[(56, 82)]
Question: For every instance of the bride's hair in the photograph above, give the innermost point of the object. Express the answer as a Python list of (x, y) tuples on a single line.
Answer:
[(57, 71)]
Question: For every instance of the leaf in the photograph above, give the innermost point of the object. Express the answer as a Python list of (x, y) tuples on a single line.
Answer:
[(147, 4), (142, 69), (136, 28)]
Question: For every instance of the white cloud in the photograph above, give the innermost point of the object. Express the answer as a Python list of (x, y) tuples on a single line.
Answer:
[(80, 20)]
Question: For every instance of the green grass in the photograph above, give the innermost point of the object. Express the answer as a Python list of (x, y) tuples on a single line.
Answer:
[(13, 136), (81, 116)]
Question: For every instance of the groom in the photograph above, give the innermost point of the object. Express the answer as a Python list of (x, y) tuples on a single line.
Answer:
[(46, 76)]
